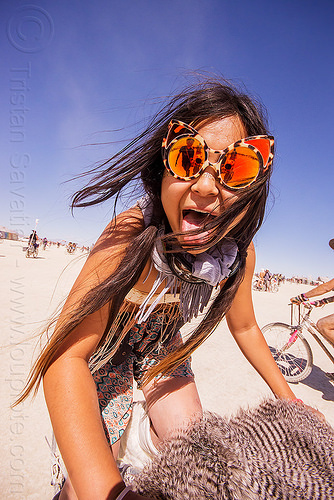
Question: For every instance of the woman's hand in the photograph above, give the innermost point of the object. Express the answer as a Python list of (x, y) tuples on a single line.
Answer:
[(317, 413)]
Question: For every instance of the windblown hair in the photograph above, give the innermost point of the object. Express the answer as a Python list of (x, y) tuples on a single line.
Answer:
[(203, 102)]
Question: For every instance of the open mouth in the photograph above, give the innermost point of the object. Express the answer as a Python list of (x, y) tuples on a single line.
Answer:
[(195, 219)]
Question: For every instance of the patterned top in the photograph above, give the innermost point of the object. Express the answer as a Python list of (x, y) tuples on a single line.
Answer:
[(115, 381)]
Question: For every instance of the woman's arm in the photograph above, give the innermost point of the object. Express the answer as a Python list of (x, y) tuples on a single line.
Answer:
[(243, 326), (318, 290), (72, 402), (70, 391)]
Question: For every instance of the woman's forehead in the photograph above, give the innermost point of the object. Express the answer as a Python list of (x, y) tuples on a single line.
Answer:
[(220, 133)]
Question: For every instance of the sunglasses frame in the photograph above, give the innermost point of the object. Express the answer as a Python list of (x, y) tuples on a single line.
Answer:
[(193, 134)]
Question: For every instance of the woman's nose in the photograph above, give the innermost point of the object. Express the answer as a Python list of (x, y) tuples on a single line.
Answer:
[(206, 183)]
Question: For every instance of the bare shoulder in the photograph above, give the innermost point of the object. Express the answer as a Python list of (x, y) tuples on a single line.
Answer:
[(121, 230), (111, 246)]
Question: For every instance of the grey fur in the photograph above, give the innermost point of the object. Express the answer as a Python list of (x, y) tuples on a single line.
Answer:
[(278, 450)]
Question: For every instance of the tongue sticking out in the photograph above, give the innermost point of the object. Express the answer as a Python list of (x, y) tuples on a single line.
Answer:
[(194, 220)]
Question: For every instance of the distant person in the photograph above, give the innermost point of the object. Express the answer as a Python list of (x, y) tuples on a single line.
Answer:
[(71, 247), (267, 277), (33, 239), (187, 156), (325, 325), (229, 167)]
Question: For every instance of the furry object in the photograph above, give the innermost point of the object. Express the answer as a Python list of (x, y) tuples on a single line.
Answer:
[(278, 450)]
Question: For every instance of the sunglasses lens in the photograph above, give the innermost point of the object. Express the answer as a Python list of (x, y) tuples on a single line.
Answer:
[(240, 167), (263, 145), (186, 157)]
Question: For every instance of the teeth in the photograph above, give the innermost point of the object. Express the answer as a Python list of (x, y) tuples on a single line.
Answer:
[(195, 210), (198, 211)]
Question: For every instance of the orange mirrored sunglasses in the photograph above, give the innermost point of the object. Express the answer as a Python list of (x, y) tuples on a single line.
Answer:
[(185, 155)]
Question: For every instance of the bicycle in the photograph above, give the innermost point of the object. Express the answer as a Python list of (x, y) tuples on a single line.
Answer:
[(32, 251), (272, 285), (258, 284), (71, 248), (290, 349)]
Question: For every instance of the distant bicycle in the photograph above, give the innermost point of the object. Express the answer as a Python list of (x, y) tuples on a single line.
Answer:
[(32, 251), (290, 349), (71, 247), (272, 285), (259, 284)]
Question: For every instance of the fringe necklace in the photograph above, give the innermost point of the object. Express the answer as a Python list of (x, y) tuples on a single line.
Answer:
[(188, 283)]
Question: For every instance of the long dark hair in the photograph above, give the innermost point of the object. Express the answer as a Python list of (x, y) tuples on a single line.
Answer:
[(202, 102)]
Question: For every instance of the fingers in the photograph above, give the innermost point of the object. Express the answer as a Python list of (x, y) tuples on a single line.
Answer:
[(318, 413)]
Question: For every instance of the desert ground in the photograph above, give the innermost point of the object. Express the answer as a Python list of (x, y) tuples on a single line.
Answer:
[(30, 291)]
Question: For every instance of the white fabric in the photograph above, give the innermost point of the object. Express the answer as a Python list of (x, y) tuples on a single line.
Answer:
[(136, 447)]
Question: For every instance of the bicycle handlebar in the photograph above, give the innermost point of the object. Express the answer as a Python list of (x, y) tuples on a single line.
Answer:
[(308, 305), (315, 303)]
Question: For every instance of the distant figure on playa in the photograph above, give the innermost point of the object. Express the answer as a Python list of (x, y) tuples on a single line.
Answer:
[(267, 278), (155, 268), (33, 239), (71, 247), (187, 156), (229, 167)]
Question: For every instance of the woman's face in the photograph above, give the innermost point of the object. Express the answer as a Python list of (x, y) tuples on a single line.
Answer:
[(187, 203)]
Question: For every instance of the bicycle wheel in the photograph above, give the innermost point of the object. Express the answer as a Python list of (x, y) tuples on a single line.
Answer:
[(295, 360)]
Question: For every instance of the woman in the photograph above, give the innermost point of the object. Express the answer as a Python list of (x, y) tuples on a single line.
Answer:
[(154, 268)]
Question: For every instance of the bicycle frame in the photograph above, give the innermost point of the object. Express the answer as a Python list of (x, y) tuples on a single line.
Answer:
[(304, 321), (289, 348)]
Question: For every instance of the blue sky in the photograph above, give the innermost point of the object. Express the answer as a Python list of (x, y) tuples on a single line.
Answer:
[(78, 72)]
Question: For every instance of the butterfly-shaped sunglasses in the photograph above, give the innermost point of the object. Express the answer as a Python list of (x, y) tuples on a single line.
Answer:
[(185, 155)]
